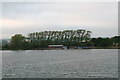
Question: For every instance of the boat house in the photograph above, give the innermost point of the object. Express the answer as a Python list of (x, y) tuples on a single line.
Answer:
[(55, 46)]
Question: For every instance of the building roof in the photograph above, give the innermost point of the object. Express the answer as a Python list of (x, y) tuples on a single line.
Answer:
[(54, 45)]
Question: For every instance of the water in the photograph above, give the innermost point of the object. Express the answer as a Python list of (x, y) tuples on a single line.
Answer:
[(84, 63)]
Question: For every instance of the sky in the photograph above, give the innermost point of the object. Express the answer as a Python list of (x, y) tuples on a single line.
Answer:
[(25, 17)]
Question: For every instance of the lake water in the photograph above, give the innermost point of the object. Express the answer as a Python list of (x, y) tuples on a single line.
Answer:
[(84, 63)]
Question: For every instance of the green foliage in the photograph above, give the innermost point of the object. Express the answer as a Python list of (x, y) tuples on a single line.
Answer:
[(66, 38), (116, 40), (79, 37), (18, 42), (106, 42)]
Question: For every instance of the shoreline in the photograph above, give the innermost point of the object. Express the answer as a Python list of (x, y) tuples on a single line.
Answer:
[(66, 49)]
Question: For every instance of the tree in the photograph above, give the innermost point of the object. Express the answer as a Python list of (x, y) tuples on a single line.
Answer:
[(101, 42), (18, 42), (66, 37)]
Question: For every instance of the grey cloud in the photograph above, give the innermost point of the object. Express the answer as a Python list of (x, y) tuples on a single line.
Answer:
[(98, 17)]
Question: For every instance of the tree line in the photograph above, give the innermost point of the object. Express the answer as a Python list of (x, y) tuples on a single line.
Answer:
[(79, 38), (106, 42)]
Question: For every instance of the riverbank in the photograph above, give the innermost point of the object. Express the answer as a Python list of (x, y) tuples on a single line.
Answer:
[(64, 48), (105, 47), (69, 48), (77, 48)]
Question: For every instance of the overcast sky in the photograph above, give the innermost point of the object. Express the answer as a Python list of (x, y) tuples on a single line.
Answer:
[(25, 17)]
